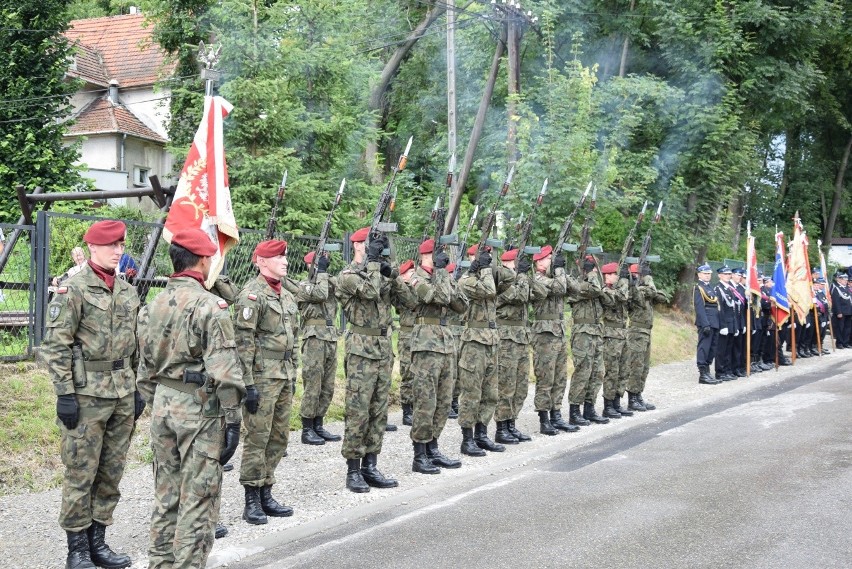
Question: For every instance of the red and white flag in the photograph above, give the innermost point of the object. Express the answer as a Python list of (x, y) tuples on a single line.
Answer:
[(752, 284), (203, 199)]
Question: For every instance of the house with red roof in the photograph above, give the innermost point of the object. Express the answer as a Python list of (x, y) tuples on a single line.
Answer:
[(121, 111)]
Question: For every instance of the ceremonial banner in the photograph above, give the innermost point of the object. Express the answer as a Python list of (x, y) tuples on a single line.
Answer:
[(752, 284), (799, 287), (203, 198), (780, 304)]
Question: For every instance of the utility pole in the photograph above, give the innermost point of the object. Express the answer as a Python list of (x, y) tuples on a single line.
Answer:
[(451, 91), (513, 42)]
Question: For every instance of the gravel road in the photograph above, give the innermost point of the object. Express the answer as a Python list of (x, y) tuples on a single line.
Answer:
[(312, 479)]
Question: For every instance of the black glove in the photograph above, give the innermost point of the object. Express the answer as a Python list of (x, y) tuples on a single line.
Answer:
[(588, 265), (645, 269), (524, 265), (386, 269), (232, 439), (484, 258), (624, 273), (375, 248), (323, 263), (68, 410), (441, 260), (457, 274), (559, 261), (705, 331), (252, 399), (474, 267), (138, 405)]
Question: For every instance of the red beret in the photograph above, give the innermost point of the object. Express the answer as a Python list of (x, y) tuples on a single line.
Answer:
[(545, 251), (195, 241), (609, 268), (309, 258), (451, 267), (361, 235), (271, 248), (105, 232), (509, 255), (406, 266), (427, 246), (473, 249), (634, 268)]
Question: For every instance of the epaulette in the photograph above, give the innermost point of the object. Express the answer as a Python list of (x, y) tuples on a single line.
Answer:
[(62, 290), (251, 296), (222, 304)]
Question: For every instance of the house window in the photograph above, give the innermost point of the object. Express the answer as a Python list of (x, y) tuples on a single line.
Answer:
[(140, 176)]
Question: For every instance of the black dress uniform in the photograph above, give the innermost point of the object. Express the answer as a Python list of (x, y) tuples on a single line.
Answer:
[(841, 308), (729, 328), (707, 323)]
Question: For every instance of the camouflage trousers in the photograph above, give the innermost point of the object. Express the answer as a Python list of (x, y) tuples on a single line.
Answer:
[(478, 378), (187, 480), (94, 455), (550, 365), (588, 367), (403, 347), (513, 379), (615, 373), (456, 383), (368, 382), (266, 432), (319, 369), (638, 359), (433, 392)]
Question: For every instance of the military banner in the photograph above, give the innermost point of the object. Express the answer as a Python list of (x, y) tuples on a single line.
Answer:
[(780, 304), (799, 286), (203, 198)]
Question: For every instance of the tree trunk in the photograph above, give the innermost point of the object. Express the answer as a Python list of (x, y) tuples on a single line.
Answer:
[(737, 212), (838, 193), (791, 140), (622, 68)]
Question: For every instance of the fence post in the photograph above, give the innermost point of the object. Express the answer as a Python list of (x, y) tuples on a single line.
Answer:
[(41, 244)]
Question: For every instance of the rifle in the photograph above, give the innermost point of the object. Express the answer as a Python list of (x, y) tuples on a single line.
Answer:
[(273, 219), (485, 240), (631, 237), (565, 232), (322, 247), (586, 234), (387, 202), (462, 246), (526, 229), (646, 243), (439, 214)]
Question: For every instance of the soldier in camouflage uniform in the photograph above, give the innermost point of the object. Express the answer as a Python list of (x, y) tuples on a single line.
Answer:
[(89, 349), (614, 298), (586, 340), (456, 323), (368, 359), (190, 375), (432, 357), (514, 361), (265, 318), (407, 317), (318, 309), (550, 345), (639, 337)]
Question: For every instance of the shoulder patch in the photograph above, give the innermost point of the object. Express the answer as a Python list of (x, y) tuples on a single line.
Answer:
[(54, 311), (247, 312), (222, 304), (251, 296), (62, 290)]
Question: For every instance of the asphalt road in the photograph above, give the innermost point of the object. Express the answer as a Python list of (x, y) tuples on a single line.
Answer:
[(755, 480)]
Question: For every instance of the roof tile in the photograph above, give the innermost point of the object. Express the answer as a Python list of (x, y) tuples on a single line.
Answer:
[(102, 117)]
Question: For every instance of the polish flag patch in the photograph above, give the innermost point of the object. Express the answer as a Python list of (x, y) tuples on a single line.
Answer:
[(252, 296), (62, 290), (222, 304)]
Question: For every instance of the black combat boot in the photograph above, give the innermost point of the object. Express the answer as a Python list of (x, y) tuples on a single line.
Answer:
[(705, 377), (647, 404), (590, 414), (454, 409), (438, 458), (480, 437), (468, 445), (616, 404), (270, 505), (253, 512), (221, 530), (372, 475), (609, 410), (559, 423), (407, 411), (545, 424), (634, 404), (422, 463), (575, 417), (78, 551), (390, 427), (100, 552), (325, 435), (309, 435), (510, 424), (502, 434), (354, 479), (227, 467)]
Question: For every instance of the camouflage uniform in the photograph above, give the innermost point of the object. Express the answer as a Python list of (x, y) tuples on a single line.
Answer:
[(318, 308), (639, 334), (456, 322), (84, 311), (187, 329), (407, 319), (550, 345), (614, 321), (264, 329), (586, 339), (514, 360)]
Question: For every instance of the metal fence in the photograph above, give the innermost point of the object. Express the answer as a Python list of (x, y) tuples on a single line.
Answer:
[(16, 293)]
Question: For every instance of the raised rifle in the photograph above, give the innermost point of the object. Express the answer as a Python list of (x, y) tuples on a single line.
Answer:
[(273, 219), (526, 228), (644, 255), (387, 202), (322, 245), (586, 234), (439, 213), (565, 232), (631, 237), (485, 240), (462, 246)]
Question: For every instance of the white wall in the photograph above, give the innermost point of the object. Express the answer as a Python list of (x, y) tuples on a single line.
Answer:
[(100, 151), (152, 107), (840, 255)]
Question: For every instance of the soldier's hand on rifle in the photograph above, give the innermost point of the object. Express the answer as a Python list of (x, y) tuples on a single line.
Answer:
[(645, 269), (252, 399), (559, 261), (386, 269), (68, 410), (374, 249), (138, 405), (441, 260), (524, 265), (323, 263), (624, 273), (232, 439), (484, 258), (588, 263)]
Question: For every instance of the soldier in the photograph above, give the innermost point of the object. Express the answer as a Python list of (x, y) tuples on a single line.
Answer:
[(478, 358), (728, 326), (641, 313), (550, 345), (432, 357), (368, 359), (193, 382), (706, 306), (318, 308), (841, 309), (614, 299), (89, 349), (265, 315), (456, 323), (584, 295), (407, 319)]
